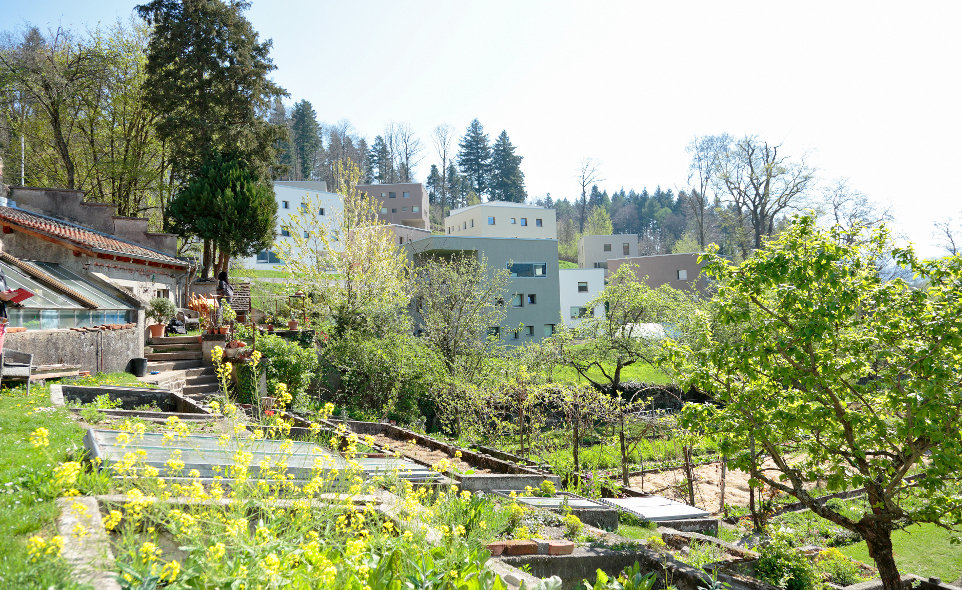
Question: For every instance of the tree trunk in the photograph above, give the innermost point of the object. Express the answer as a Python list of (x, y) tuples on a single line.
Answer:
[(690, 474), (624, 453), (879, 541), (721, 494), (751, 490), (576, 438), (208, 263)]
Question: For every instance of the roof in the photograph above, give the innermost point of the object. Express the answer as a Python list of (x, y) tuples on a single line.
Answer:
[(310, 185), (499, 204), (82, 237)]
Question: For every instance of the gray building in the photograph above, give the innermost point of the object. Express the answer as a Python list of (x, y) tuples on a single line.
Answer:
[(681, 271), (596, 251), (533, 291)]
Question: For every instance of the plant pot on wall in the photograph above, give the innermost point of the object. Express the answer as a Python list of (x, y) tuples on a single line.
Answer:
[(157, 330), (292, 325), (223, 329)]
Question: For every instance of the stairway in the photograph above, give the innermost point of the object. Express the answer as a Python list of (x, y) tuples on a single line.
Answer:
[(179, 361)]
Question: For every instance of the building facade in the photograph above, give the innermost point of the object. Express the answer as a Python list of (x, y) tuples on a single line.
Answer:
[(500, 219), (681, 271), (596, 251), (576, 287), (400, 204), (532, 298)]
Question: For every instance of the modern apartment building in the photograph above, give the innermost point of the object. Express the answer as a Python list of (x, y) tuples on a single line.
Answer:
[(596, 251), (576, 287), (532, 298), (294, 198), (681, 271), (500, 219), (400, 204)]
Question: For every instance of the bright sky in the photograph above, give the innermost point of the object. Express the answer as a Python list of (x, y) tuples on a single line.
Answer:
[(871, 91)]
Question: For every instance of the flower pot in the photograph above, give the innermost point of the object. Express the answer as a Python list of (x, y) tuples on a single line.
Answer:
[(292, 325), (157, 330), (223, 330), (270, 327)]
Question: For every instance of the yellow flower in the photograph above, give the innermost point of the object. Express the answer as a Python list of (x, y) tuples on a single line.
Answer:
[(216, 552), (66, 473), (149, 552), (169, 571), (112, 519), (38, 438)]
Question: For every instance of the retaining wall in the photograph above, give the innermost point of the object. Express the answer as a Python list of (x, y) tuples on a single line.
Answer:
[(99, 351)]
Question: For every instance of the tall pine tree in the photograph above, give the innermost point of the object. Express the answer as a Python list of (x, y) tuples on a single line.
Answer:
[(474, 157), (305, 138), (507, 180)]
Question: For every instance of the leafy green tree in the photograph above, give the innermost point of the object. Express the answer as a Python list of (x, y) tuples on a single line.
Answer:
[(839, 376), (474, 157), (207, 79), (228, 206), (507, 180), (599, 223), (305, 140)]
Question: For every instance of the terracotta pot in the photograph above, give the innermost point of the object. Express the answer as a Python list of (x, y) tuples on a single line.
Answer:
[(157, 330), (223, 329), (292, 325), (270, 327)]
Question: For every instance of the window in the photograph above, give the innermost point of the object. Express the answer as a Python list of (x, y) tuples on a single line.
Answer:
[(394, 210), (285, 233), (162, 293), (305, 234), (268, 257), (581, 312), (393, 195), (322, 211), (449, 230), (383, 210), (472, 223), (490, 220), (415, 209), (603, 265), (548, 330), (625, 249), (515, 334), (528, 269), (513, 221), (607, 247), (400, 240), (537, 223), (465, 225), (303, 206), (524, 221), (285, 205), (405, 209), (529, 330), (406, 195), (494, 332), (517, 301), (583, 287), (682, 275), (532, 299)]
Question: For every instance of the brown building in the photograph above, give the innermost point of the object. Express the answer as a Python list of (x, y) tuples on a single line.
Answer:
[(400, 204), (680, 271)]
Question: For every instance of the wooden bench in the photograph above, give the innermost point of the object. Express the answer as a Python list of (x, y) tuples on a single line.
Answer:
[(15, 366)]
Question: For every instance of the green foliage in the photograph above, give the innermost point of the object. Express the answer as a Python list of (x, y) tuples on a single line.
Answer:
[(630, 579), (701, 554), (548, 489), (474, 157), (289, 363), (572, 524), (160, 309), (507, 180), (598, 223), (781, 565), (841, 569)]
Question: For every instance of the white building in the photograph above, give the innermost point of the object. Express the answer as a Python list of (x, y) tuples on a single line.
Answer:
[(577, 287), (293, 197), (501, 219)]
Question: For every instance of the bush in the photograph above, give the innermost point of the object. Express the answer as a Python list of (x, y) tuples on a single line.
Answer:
[(573, 525), (838, 567), (781, 565), (289, 363), (161, 310)]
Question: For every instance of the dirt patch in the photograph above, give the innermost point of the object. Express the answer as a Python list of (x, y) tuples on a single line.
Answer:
[(426, 455)]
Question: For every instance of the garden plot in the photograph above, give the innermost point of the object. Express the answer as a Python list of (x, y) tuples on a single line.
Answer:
[(657, 508), (128, 402), (590, 512)]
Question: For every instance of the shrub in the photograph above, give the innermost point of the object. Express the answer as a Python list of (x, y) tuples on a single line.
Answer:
[(572, 524), (160, 310), (548, 489), (840, 568), (781, 565), (290, 363)]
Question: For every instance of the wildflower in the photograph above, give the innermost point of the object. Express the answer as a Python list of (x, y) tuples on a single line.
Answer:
[(123, 439), (169, 571), (149, 552), (457, 454), (271, 564), (216, 552), (38, 438), (112, 519), (66, 473)]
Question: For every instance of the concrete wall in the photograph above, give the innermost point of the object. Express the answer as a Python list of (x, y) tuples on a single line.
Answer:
[(400, 210), (107, 351), (404, 234), (290, 196), (568, 279), (663, 270), (545, 312), (511, 220), (591, 249)]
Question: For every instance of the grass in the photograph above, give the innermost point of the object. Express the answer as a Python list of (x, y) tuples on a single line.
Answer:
[(262, 274), (639, 372), (635, 532), (924, 550)]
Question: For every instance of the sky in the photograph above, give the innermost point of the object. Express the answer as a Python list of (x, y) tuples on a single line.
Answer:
[(866, 91)]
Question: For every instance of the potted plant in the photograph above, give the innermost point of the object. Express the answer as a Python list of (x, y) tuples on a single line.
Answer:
[(292, 323), (160, 310), (229, 315)]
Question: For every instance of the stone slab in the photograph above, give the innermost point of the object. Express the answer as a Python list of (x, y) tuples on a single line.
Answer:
[(89, 554)]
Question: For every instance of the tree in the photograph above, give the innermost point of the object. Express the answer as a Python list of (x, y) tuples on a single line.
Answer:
[(588, 174), (207, 80), (305, 139), (848, 208), (702, 173), (950, 241), (441, 137), (839, 376), (381, 162), (474, 158), (507, 180), (761, 183), (230, 207), (599, 224), (408, 151)]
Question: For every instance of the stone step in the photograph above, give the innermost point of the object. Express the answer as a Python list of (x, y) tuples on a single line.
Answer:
[(200, 372), (178, 365), (174, 356), (201, 379), (195, 347), (174, 340), (203, 388)]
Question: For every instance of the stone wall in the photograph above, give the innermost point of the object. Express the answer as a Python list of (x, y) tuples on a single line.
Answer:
[(106, 351)]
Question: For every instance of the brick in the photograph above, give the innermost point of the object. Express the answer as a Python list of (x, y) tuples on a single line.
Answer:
[(520, 547), (496, 549), (560, 547)]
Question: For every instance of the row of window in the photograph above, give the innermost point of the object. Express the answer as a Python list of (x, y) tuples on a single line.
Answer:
[(391, 195), (625, 248), (582, 312), (527, 269), (518, 299), (491, 221), (549, 330), (287, 205), (404, 209)]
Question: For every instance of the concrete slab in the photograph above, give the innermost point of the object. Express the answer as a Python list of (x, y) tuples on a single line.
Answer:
[(658, 508), (87, 553)]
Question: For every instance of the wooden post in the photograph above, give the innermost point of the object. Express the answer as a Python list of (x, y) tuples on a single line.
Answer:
[(690, 474), (721, 495)]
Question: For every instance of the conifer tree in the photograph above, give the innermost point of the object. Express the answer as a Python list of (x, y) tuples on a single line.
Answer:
[(507, 180), (474, 157), (305, 138)]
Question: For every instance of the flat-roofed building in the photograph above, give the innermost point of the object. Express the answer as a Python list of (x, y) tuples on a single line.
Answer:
[(500, 219), (576, 287), (681, 271), (400, 204), (596, 251)]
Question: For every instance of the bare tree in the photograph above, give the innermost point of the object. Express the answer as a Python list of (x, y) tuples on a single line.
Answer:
[(950, 241), (705, 154), (589, 173), (761, 183), (442, 138), (409, 149), (847, 207)]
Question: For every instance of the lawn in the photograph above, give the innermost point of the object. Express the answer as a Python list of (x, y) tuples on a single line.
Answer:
[(924, 550), (638, 372)]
